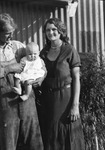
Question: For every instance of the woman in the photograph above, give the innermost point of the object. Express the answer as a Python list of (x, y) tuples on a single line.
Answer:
[(19, 125), (59, 110)]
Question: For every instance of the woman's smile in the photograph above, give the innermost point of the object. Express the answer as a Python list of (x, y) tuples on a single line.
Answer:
[(52, 32)]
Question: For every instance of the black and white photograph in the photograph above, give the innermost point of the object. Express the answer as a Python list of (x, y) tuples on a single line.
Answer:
[(52, 74)]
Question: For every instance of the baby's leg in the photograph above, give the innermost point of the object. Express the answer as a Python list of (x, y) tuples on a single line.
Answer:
[(28, 89), (17, 88)]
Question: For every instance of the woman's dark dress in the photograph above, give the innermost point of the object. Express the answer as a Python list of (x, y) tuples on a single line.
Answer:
[(57, 130)]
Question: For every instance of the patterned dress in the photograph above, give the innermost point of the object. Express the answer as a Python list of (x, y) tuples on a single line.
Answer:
[(58, 132)]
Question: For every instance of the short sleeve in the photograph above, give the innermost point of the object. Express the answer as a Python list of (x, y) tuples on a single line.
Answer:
[(74, 59)]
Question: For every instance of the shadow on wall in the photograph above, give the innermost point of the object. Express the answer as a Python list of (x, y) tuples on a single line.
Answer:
[(90, 41), (29, 19), (30, 24)]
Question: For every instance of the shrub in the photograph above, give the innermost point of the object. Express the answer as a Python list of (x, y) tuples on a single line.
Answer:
[(92, 101)]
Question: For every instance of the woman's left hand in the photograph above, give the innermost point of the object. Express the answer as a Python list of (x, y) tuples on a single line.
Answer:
[(37, 82), (74, 112)]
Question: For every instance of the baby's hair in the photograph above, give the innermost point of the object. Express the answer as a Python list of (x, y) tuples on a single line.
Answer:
[(32, 46)]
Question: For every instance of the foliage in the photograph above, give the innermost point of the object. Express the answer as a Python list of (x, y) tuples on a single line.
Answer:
[(92, 100)]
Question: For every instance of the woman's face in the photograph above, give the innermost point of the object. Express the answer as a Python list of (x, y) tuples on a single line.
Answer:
[(52, 32), (6, 36)]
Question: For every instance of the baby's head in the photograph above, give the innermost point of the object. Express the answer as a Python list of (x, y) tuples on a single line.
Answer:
[(32, 51)]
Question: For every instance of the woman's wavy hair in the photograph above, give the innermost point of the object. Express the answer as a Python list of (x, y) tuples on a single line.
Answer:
[(6, 19), (60, 27)]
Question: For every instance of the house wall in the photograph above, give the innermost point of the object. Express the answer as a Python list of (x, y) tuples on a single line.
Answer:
[(85, 29), (30, 20)]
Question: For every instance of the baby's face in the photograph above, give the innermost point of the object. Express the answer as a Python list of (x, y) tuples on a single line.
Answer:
[(32, 55)]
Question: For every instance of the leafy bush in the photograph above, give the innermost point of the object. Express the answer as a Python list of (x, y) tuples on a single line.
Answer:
[(92, 101)]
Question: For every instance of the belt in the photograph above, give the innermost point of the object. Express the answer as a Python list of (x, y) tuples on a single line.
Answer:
[(57, 89)]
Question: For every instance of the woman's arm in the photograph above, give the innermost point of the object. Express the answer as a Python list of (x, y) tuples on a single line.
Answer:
[(6, 63), (76, 93), (11, 68), (6, 67), (14, 67)]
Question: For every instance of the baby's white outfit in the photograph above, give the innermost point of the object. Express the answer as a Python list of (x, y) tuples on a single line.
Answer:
[(32, 70)]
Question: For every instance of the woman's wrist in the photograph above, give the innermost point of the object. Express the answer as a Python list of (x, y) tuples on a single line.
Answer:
[(8, 69), (75, 104)]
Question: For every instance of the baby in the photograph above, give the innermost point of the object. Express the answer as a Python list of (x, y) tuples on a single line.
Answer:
[(32, 71)]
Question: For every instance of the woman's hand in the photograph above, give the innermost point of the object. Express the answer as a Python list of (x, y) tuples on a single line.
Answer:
[(37, 82), (19, 67), (15, 68), (74, 112)]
